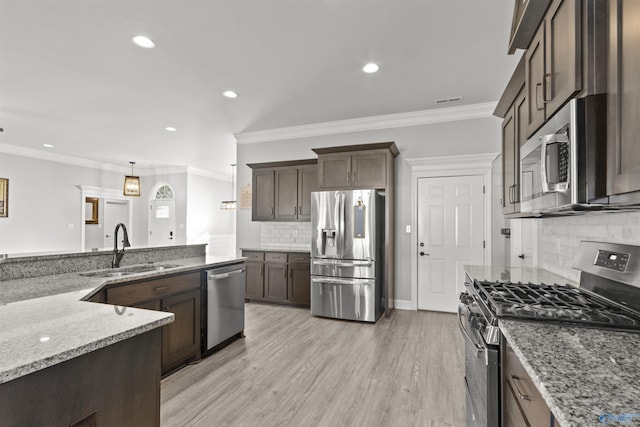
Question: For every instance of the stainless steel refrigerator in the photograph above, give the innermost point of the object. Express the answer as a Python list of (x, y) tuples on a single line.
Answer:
[(347, 254)]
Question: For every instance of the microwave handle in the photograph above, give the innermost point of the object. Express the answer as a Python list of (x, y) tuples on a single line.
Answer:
[(543, 163)]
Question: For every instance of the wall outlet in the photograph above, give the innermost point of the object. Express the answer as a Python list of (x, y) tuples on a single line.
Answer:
[(70, 226), (407, 229)]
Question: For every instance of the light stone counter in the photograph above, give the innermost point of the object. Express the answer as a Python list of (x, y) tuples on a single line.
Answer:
[(583, 374), (44, 320)]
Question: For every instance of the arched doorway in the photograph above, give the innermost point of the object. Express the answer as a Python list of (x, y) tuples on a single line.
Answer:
[(162, 221)]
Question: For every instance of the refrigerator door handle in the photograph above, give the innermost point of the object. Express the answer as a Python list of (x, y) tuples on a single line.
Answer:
[(337, 281), (344, 263), (342, 219)]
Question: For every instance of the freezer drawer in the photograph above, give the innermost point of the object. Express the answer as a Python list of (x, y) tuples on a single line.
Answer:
[(361, 269), (350, 299)]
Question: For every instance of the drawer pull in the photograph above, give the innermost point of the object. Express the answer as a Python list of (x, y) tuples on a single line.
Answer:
[(160, 288), (515, 382)]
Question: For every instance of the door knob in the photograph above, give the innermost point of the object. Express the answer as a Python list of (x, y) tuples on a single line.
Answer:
[(421, 244), (521, 256), (423, 254)]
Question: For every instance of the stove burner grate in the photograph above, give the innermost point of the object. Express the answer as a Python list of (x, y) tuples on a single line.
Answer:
[(561, 303)]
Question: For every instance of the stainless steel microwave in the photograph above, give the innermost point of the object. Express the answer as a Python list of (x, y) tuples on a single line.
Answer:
[(563, 165)]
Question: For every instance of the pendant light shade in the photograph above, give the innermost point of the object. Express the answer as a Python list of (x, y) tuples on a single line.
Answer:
[(229, 205), (132, 184)]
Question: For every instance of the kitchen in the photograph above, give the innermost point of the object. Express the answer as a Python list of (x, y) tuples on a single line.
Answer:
[(467, 129)]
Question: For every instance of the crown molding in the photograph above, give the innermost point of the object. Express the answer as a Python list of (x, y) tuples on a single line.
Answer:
[(110, 167), (446, 163), (388, 121)]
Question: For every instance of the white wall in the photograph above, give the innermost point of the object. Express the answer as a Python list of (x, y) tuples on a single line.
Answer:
[(45, 203), (45, 199), (206, 222), (441, 139)]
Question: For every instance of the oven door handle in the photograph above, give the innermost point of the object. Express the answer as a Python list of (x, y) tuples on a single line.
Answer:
[(479, 349)]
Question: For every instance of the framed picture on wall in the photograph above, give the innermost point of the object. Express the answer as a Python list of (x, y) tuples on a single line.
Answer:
[(4, 197)]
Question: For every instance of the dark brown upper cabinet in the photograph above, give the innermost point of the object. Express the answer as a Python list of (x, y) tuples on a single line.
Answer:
[(282, 190), (623, 101), (527, 15), (348, 167), (512, 108), (553, 62), (263, 206), (509, 176)]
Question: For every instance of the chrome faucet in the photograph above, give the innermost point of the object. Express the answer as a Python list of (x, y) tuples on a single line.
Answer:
[(118, 254)]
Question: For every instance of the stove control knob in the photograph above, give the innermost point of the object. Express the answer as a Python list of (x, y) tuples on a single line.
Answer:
[(465, 298)]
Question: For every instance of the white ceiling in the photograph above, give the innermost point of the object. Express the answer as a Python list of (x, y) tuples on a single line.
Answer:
[(70, 76)]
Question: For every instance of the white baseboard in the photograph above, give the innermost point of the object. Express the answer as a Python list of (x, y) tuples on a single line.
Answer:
[(402, 304)]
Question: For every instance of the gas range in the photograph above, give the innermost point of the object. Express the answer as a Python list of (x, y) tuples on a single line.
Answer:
[(608, 298)]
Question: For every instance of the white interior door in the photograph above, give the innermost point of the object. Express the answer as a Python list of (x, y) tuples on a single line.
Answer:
[(115, 212), (162, 222), (450, 235)]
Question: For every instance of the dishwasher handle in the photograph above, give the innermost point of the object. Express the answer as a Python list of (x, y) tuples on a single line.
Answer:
[(225, 275)]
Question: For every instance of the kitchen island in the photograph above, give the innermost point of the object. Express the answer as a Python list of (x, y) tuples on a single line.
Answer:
[(64, 359)]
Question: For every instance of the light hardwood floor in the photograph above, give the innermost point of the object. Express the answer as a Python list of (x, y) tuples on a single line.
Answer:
[(294, 369)]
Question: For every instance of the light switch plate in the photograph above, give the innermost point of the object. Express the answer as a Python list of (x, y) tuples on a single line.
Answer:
[(407, 229)]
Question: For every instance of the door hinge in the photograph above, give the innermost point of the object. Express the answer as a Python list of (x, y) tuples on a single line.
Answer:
[(484, 244), (484, 189)]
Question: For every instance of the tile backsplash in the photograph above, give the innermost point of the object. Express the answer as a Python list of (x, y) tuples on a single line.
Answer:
[(286, 234), (559, 237)]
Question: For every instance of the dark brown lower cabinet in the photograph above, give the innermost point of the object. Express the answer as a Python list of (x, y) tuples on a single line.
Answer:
[(181, 339), (118, 385), (275, 281), (255, 280), (278, 277), (299, 290), (523, 404), (179, 294)]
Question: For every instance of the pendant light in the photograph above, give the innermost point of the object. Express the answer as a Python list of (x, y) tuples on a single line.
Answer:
[(228, 205), (131, 184)]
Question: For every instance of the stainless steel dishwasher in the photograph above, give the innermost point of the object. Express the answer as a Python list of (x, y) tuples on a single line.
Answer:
[(224, 304)]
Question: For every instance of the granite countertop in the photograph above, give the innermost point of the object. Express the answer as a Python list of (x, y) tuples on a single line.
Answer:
[(45, 320), (515, 274), (278, 249), (583, 374)]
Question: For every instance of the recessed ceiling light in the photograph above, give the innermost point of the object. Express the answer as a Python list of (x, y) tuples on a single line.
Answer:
[(143, 41), (47, 145), (170, 129), (370, 68), (44, 339), (230, 94)]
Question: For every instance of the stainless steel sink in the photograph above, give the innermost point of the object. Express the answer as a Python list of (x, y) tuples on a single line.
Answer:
[(145, 268), (107, 274), (128, 271)]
